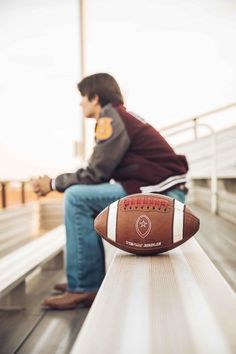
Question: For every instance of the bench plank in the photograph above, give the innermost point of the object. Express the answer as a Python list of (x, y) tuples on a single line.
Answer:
[(176, 302), (15, 266)]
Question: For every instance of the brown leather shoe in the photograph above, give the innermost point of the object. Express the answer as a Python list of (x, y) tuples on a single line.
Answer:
[(70, 300), (60, 287)]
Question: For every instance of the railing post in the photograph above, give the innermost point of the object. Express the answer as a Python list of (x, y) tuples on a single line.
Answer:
[(3, 194), (214, 186), (23, 192), (195, 128)]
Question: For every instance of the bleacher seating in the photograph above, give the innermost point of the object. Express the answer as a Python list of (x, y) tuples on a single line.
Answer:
[(25, 245), (199, 155), (51, 213), (15, 266), (174, 303), (16, 226), (177, 302)]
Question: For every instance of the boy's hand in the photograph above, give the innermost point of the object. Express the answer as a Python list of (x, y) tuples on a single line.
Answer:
[(42, 185)]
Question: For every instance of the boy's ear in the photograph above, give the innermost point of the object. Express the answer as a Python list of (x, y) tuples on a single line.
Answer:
[(95, 100)]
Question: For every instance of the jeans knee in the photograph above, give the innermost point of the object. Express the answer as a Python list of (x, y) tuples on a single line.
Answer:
[(77, 195), (70, 196)]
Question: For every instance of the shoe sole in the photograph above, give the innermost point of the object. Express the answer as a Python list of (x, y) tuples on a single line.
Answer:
[(84, 303)]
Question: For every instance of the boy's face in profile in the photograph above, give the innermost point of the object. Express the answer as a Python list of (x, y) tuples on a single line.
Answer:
[(90, 108)]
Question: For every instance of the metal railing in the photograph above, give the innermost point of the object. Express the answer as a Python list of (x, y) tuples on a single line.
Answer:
[(20, 189), (194, 124), (19, 192), (194, 120)]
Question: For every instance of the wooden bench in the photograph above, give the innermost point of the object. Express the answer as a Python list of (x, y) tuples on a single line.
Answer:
[(16, 266), (50, 213), (176, 303), (17, 225)]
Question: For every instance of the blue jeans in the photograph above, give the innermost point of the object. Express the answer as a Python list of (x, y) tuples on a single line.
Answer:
[(176, 194), (85, 259)]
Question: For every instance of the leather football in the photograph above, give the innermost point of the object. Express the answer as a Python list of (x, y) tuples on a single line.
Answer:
[(146, 223)]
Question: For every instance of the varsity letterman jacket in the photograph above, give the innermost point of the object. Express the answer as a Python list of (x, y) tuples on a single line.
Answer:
[(131, 152)]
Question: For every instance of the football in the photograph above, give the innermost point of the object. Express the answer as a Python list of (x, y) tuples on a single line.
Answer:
[(146, 223)]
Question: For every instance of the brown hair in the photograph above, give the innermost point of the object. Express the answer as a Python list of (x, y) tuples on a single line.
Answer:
[(103, 85)]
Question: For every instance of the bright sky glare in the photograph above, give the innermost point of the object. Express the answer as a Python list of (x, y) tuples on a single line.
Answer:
[(172, 58)]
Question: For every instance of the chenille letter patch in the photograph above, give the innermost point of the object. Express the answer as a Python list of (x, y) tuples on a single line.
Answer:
[(104, 128)]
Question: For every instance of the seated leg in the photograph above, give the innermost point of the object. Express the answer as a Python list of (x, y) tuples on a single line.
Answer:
[(85, 261)]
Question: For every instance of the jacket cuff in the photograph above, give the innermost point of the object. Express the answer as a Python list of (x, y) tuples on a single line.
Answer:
[(53, 184)]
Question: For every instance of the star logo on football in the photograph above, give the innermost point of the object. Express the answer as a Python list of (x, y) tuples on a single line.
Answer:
[(142, 223), (143, 226)]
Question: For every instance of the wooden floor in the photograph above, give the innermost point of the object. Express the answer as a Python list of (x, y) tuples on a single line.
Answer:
[(35, 330)]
